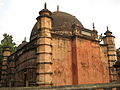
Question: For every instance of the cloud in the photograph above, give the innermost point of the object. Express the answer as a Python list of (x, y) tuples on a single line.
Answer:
[(1, 4)]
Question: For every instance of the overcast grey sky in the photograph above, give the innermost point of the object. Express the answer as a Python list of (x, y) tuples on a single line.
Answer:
[(17, 17)]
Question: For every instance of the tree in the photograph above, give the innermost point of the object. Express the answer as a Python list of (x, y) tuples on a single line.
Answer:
[(7, 42)]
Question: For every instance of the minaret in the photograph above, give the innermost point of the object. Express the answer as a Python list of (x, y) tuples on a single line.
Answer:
[(44, 49), (109, 41), (57, 8), (6, 53), (94, 33)]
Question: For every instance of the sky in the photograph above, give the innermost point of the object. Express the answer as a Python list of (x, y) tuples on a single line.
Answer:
[(17, 17)]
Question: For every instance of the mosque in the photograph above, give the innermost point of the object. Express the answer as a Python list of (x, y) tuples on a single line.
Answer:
[(61, 51)]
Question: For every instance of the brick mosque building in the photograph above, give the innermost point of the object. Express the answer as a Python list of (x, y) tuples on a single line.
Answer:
[(61, 51)]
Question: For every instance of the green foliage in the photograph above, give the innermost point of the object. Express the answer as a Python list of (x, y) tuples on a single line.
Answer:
[(7, 42)]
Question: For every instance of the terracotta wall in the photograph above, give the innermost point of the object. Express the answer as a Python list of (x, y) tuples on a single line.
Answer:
[(104, 59), (61, 59), (79, 61), (75, 61), (26, 64), (92, 66)]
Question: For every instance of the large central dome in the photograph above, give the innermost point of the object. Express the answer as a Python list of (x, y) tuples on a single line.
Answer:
[(64, 21), (61, 21)]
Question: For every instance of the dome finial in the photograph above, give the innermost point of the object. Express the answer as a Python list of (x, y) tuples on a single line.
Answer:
[(25, 39), (45, 6), (107, 28), (93, 26), (108, 32), (57, 7)]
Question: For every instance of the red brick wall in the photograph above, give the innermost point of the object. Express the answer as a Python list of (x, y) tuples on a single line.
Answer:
[(25, 64), (75, 61), (62, 70), (79, 61), (91, 69), (104, 59)]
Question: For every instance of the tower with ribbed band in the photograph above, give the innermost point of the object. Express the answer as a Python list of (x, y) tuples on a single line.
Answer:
[(6, 53), (44, 49), (111, 52)]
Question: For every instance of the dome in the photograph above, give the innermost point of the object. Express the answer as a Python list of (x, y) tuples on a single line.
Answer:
[(61, 21), (64, 21)]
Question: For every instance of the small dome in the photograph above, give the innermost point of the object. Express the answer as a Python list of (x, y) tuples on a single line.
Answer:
[(61, 21)]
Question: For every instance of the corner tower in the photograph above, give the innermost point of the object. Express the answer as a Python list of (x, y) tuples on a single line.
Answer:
[(6, 54), (44, 48), (111, 51)]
